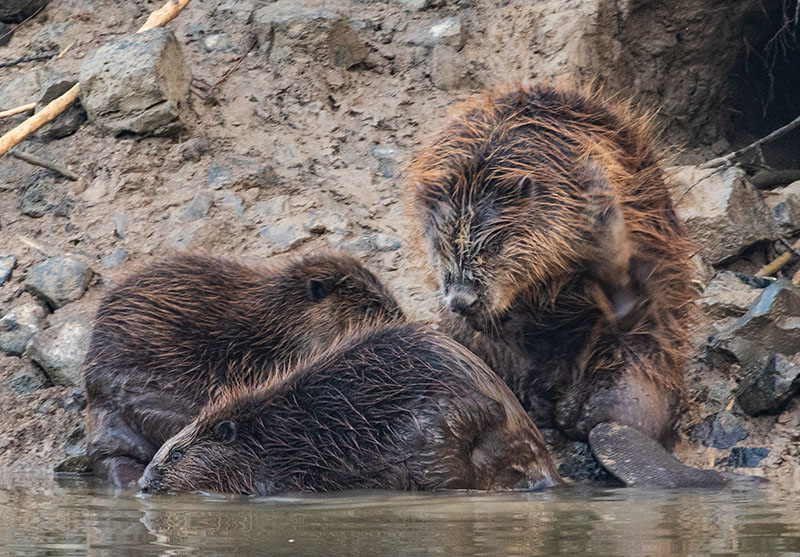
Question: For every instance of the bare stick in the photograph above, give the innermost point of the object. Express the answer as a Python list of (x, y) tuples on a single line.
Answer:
[(777, 264), (28, 59), (796, 278), (727, 159), (18, 110), (12, 138), (44, 163)]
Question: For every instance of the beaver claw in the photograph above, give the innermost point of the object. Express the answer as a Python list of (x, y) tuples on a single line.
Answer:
[(639, 461)]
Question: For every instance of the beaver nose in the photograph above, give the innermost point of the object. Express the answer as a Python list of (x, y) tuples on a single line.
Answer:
[(462, 301)]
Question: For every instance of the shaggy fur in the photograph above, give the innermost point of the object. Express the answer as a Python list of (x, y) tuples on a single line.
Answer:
[(395, 407), (548, 208), (175, 333)]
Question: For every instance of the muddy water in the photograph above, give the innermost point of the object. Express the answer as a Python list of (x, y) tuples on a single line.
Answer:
[(42, 516)]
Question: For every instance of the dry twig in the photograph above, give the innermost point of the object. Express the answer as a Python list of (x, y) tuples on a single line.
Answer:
[(160, 17), (18, 110), (28, 59), (44, 163), (755, 146), (777, 264)]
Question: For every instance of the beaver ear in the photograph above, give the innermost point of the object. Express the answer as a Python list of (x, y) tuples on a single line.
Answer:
[(225, 431), (320, 288), (525, 186)]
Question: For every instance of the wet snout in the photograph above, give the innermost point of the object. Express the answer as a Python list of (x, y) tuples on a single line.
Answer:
[(462, 300), (149, 483)]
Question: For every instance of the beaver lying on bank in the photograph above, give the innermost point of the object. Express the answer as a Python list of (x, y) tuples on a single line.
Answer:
[(174, 334), (563, 265), (394, 407)]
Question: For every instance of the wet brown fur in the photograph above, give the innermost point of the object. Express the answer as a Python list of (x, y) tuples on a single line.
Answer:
[(550, 205), (177, 332), (393, 407)]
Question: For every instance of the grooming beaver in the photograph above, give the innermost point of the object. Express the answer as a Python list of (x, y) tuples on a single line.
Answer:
[(171, 336), (393, 407), (562, 263)]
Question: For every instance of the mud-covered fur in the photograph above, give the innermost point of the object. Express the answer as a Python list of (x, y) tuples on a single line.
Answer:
[(558, 250), (395, 407), (175, 333)]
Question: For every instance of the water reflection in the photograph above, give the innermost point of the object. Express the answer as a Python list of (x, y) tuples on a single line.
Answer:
[(78, 517)]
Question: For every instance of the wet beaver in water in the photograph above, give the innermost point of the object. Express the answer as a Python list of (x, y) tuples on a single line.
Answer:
[(393, 407), (562, 263), (172, 335)]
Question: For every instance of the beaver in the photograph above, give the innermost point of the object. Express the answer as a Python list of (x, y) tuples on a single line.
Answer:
[(171, 336), (395, 406), (561, 261)]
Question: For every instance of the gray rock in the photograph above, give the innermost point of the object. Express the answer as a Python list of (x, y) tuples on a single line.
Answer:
[(785, 206), (388, 158), (6, 32), (43, 193), (746, 457), (722, 210), (68, 121), (7, 264), (55, 37), (138, 83), (448, 31), (728, 295), (18, 326), (220, 175), (240, 11), (198, 206), (771, 325), (721, 431), (386, 242), (61, 349), (193, 149), (287, 22), (418, 5), (59, 280), (345, 48), (766, 391), (447, 68), (284, 235), (26, 380), (78, 464), (23, 88), (14, 11), (220, 42), (115, 259)]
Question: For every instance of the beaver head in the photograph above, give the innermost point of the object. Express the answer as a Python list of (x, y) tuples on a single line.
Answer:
[(514, 199), (327, 295)]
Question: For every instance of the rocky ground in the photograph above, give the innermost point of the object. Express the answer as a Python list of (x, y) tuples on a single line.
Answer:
[(255, 128)]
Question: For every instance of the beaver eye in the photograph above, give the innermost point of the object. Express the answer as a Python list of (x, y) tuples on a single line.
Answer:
[(175, 456)]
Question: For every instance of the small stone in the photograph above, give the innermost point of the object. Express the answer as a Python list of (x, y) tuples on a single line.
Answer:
[(26, 380), (198, 207), (448, 31), (418, 5), (74, 400), (447, 68), (18, 326), (388, 158), (138, 83), (15, 11), (728, 295), (22, 89), (115, 259), (723, 212), (60, 351), (721, 431), (768, 391), (220, 175), (78, 464), (42, 194), (55, 37), (59, 280), (746, 457), (328, 222), (345, 47), (120, 221), (69, 120), (785, 206), (283, 235), (386, 242), (194, 148), (7, 264), (219, 42)]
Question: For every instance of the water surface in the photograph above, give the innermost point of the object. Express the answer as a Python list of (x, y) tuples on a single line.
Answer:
[(42, 516)]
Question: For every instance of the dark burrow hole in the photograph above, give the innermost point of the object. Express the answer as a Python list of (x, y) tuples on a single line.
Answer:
[(765, 85)]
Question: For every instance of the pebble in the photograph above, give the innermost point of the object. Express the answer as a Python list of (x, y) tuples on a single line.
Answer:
[(219, 175), (18, 326), (767, 391), (25, 380), (59, 280), (720, 431), (60, 351), (746, 457), (7, 264), (387, 159)]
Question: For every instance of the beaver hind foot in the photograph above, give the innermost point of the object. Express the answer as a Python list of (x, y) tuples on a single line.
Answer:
[(640, 461)]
